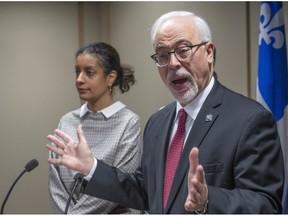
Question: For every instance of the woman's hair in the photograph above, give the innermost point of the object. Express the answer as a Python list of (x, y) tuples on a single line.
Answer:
[(110, 60)]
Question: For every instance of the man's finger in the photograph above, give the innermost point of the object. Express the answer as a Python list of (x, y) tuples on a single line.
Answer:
[(56, 141), (63, 136), (54, 149), (193, 160), (80, 134), (200, 174), (189, 206)]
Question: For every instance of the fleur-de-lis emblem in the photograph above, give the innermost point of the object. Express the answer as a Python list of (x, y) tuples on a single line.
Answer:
[(268, 25), (209, 118)]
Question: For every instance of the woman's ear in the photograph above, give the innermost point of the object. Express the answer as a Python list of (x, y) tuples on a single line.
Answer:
[(112, 77)]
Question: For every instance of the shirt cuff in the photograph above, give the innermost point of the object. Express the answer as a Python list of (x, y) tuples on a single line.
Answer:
[(89, 176)]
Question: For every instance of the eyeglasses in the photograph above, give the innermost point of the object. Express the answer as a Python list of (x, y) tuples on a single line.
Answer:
[(181, 53)]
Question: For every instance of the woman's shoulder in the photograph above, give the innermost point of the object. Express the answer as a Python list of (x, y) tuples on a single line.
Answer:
[(72, 114), (128, 113)]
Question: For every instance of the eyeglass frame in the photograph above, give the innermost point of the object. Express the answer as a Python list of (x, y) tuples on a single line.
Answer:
[(176, 55)]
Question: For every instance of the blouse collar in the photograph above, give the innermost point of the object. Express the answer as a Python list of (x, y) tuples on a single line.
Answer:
[(107, 112)]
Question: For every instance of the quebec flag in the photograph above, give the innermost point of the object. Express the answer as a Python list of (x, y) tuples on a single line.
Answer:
[(272, 88)]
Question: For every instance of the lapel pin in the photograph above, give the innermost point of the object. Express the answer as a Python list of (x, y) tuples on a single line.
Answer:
[(209, 117)]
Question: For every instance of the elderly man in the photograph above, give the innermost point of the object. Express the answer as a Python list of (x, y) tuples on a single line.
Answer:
[(210, 151)]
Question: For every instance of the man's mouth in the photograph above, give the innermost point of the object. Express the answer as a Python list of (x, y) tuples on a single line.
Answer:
[(179, 81)]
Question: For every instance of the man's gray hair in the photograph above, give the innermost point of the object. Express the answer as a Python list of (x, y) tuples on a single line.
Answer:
[(200, 24)]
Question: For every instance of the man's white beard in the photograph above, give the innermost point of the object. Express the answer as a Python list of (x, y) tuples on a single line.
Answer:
[(188, 95)]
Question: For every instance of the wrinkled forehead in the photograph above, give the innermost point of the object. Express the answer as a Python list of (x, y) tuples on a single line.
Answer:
[(175, 29)]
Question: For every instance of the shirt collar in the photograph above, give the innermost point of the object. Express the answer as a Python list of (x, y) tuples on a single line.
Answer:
[(107, 112), (194, 107)]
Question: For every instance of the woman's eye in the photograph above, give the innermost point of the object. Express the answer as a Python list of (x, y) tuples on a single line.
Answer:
[(77, 72), (90, 73)]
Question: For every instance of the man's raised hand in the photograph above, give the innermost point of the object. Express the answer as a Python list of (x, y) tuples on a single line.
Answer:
[(73, 155)]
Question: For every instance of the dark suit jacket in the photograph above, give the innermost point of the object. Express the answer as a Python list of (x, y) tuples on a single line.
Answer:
[(239, 150)]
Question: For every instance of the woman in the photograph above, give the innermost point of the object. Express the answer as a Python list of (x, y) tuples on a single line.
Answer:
[(112, 130)]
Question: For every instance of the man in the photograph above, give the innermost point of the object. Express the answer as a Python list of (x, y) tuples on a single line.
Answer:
[(229, 149)]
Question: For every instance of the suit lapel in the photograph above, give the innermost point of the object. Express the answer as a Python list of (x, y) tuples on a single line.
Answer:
[(166, 127), (203, 122)]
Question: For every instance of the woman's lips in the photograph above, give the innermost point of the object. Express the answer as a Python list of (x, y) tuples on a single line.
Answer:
[(82, 90)]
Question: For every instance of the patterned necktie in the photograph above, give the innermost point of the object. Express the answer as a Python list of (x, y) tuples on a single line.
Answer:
[(174, 155)]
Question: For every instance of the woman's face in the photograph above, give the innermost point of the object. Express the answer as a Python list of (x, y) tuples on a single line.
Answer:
[(91, 81)]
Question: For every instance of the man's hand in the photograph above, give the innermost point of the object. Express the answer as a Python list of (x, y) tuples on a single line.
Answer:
[(73, 155), (197, 188)]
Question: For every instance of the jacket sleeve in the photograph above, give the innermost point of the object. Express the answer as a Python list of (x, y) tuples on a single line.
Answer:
[(112, 184)]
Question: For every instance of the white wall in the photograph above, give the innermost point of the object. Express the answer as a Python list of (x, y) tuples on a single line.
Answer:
[(37, 46)]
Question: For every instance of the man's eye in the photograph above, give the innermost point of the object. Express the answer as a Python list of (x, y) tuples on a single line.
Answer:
[(183, 50), (162, 56)]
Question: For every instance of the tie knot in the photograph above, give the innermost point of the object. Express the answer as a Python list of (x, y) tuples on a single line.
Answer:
[(182, 116)]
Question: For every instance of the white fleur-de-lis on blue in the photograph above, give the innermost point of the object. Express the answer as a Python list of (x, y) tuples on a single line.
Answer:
[(268, 25)]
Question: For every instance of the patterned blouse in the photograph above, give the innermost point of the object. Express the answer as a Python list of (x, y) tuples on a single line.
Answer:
[(114, 136)]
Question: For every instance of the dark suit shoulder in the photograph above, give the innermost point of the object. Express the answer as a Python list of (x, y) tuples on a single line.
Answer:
[(161, 117), (232, 100), (163, 111)]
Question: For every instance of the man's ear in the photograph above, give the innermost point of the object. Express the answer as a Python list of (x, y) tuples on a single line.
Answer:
[(210, 51)]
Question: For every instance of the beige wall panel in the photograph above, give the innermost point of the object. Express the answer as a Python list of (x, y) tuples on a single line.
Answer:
[(95, 22), (37, 46), (254, 13)]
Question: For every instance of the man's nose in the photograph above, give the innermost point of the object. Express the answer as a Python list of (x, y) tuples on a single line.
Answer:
[(174, 62)]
